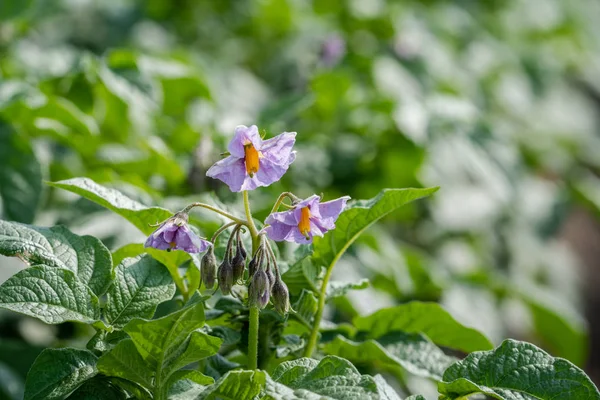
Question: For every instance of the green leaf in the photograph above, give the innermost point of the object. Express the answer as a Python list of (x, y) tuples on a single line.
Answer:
[(58, 372), (182, 383), (306, 308), (515, 371), (174, 341), (412, 352), (357, 217), (125, 362), (53, 295), (136, 213), (85, 256), (20, 176), (171, 259), (238, 385), (333, 377), (141, 284), (302, 273), (98, 388), (415, 397), (337, 289), (428, 318)]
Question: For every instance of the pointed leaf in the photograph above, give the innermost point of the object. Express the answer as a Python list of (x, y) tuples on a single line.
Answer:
[(515, 371), (54, 295), (136, 213), (58, 372), (357, 217), (186, 384), (174, 341), (412, 352), (141, 284), (85, 256), (125, 362), (98, 388), (428, 318), (20, 177)]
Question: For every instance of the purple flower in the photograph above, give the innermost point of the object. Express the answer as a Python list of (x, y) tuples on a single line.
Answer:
[(333, 50), (175, 234), (309, 218), (253, 162)]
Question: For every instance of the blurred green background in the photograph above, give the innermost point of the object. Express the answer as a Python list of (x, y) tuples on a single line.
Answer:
[(495, 101)]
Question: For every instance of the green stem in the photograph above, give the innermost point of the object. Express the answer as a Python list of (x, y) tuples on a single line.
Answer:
[(215, 209), (253, 338), (221, 230), (254, 311)]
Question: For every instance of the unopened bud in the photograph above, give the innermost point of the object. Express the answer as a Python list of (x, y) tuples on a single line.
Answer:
[(258, 291), (270, 277), (255, 263), (208, 268), (281, 297), (225, 277), (238, 263)]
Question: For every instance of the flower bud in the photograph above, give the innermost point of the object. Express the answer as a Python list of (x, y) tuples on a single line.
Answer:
[(270, 277), (258, 291), (225, 274), (208, 268), (281, 297), (255, 263), (238, 263)]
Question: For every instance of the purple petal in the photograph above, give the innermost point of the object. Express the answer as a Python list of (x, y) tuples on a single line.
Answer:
[(313, 203), (169, 234), (157, 243), (331, 210), (279, 231), (244, 135), (299, 237), (267, 174), (230, 170), (278, 150), (285, 217)]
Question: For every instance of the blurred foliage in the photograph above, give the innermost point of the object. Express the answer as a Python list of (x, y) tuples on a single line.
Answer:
[(495, 101)]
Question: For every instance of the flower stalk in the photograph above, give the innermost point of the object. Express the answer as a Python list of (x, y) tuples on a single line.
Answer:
[(254, 310)]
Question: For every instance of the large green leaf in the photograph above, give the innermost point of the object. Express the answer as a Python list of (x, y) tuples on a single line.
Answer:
[(238, 385), (333, 377), (337, 289), (428, 318), (141, 284), (125, 362), (185, 382), (136, 213), (412, 352), (358, 216), (172, 342), (516, 371), (98, 388), (58, 372), (85, 256), (54, 295), (20, 177)]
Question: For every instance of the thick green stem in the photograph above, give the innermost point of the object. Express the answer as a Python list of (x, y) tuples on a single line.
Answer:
[(314, 334), (280, 202), (253, 338), (254, 311)]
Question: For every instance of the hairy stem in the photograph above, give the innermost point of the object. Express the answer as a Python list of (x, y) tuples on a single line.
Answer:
[(254, 311), (280, 202), (221, 230)]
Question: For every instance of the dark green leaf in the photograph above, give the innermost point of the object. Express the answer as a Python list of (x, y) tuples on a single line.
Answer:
[(58, 372), (515, 371), (20, 175), (136, 213), (53, 295), (306, 308), (428, 318), (141, 284), (185, 382), (85, 256), (174, 341), (125, 362), (98, 388), (357, 217), (412, 352)]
